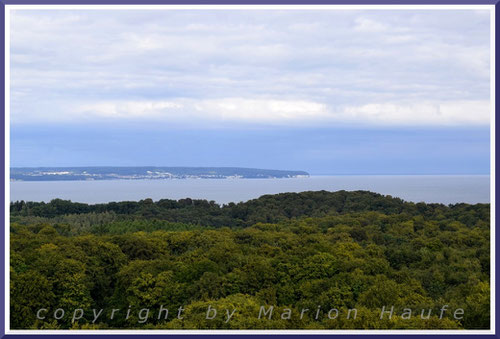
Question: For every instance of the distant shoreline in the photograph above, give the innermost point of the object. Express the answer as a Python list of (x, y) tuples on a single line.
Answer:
[(93, 173), (262, 178)]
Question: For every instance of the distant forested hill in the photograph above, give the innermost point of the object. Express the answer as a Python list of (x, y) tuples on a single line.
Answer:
[(268, 208), (151, 172), (314, 251)]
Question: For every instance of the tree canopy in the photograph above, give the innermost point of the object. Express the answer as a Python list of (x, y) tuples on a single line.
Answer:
[(314, 251)]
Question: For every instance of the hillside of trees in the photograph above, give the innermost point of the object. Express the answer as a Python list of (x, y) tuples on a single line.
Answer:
[(314, 251)]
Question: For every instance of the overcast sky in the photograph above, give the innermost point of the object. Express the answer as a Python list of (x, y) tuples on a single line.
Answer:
[(363, 82)]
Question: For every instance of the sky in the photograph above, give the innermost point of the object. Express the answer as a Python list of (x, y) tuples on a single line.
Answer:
[(328, 92)]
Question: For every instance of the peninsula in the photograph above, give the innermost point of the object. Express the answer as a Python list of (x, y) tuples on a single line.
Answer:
[(150, 172)]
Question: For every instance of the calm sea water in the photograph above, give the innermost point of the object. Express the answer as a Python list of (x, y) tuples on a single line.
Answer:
[(428, 188)]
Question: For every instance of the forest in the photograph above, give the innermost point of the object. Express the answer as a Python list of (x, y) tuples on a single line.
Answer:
[(310, 260)]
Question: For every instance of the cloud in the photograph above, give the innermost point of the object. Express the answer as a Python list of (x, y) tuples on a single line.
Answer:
[(219, 112), (128, 109), (369, 25), (444, 114), (263, 66), (188, 111)]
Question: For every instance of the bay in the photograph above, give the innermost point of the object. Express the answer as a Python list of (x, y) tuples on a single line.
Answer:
[(446, 189)]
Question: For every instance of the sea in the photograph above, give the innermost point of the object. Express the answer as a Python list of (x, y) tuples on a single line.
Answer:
[(445, 189)]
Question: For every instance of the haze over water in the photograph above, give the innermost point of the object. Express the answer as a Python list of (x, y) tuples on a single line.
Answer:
[(446, 189)]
